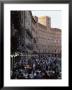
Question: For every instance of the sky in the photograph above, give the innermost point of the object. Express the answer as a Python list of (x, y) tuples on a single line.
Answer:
[(54, 14)]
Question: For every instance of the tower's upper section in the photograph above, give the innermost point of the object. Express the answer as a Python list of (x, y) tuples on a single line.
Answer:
[(45, 20)]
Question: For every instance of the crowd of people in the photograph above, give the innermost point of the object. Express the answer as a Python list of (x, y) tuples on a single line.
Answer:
[(36, 67)]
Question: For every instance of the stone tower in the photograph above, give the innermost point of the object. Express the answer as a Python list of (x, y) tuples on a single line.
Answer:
[(45, 20)]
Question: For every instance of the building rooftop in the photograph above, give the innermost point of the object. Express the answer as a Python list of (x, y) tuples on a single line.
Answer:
[(41, 25), (56, 29), (44, 17)]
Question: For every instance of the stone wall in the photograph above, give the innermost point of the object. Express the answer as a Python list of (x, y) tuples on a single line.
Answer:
[(48, 38)]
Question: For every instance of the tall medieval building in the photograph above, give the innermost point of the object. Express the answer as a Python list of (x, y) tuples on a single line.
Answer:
[(48, 38), (31, 34), (21, 32)]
